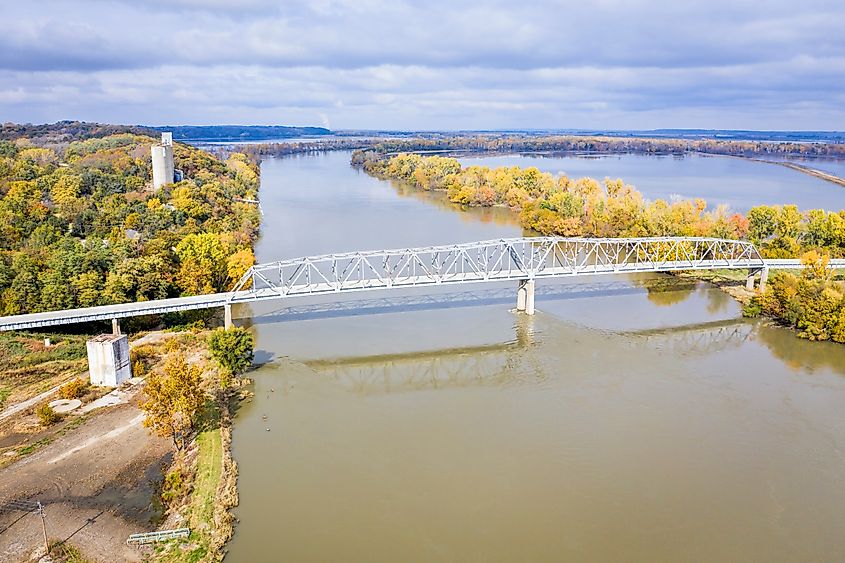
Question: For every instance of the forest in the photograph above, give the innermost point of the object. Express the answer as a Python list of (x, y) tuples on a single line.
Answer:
[(80, 225)]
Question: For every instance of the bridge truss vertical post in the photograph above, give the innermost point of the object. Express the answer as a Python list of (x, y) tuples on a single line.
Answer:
[(227, 316)]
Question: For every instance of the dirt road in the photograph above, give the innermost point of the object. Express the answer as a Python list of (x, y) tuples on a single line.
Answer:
[(96, 483)]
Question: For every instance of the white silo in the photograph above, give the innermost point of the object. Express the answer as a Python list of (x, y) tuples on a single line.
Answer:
[(163, 161)]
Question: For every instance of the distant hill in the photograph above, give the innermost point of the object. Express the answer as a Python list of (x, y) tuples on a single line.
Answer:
[(240, 132), (66, 131)]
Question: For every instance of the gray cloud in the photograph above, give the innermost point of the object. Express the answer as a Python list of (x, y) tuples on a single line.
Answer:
[(438, 64)]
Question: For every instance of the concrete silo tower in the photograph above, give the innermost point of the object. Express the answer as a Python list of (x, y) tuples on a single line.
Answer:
[(163, 161)]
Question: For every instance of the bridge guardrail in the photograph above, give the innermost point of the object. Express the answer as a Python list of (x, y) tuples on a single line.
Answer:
[(162, 535)]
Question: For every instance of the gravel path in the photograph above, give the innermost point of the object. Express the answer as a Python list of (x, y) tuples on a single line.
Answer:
[(23, 405)]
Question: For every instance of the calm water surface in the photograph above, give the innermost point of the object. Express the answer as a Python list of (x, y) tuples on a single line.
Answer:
[(635, 419), (739, 183)]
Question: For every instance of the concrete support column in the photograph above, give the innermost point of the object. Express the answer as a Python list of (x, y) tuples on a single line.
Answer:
[(115, 326), (529, 297), (227, 316), (749, 282), (521, 294), (525, 297), (764, 275)]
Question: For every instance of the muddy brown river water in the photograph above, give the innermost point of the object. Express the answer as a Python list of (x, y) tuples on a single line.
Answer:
[(632, 419)]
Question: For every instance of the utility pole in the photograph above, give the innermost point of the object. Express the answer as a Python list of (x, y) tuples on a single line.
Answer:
[(43, 528)]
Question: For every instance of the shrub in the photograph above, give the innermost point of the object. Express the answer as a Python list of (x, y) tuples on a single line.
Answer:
[(753, 308), (232, 348), (47, 416), (171, 346), (175, 485), (139, 369), (73, 389)]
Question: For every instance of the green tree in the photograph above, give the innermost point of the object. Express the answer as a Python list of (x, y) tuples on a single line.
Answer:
[(232, 348), (761, 222), (203, 264)]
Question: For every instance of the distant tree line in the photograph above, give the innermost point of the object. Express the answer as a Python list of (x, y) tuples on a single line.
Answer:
[(80, 225), (240, 132), (500, 143), (63, 132)]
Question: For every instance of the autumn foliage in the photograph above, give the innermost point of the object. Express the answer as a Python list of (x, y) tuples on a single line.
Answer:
[(174, 398), (811, 302), (559, 205), (80, 225)]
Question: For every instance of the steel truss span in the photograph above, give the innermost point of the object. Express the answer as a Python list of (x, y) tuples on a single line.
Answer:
[(494, 260)]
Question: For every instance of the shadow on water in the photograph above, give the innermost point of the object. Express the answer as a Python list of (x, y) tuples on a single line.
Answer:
[(496, 215), (493, 365), (666, 291), (699, 339)]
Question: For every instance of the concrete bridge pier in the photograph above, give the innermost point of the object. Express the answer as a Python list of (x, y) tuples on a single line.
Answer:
[(764, 276), (115, 327), (525, 297), (227, 316), (749, 281), (752, 273)]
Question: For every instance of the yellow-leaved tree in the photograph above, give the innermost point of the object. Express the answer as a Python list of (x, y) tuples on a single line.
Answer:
[(174, 398)]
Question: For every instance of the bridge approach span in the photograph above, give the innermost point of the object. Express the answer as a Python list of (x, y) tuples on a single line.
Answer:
[(519, 259)]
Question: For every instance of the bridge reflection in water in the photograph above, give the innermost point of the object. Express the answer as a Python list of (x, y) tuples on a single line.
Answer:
[(509, 363)]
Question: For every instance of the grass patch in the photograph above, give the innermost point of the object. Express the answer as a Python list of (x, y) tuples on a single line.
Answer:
[(19, 350), (209, 469)]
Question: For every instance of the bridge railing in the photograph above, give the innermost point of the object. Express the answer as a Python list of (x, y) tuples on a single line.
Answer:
[(162, 535)]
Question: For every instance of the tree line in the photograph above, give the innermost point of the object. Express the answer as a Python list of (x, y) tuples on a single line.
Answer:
[(80, 225), (504, 143)]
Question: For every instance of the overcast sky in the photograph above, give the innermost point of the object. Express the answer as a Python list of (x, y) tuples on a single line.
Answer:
[(433, 64)]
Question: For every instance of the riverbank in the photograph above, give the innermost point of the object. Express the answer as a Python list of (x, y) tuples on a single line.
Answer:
[(209, 473), (199, 487)]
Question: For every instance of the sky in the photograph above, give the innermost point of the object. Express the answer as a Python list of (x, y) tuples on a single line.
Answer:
[(425, 65)]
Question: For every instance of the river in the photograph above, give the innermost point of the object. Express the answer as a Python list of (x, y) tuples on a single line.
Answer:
[(637, 418)]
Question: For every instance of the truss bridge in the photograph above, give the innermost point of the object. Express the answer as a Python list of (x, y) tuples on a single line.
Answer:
[(522, 260)]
